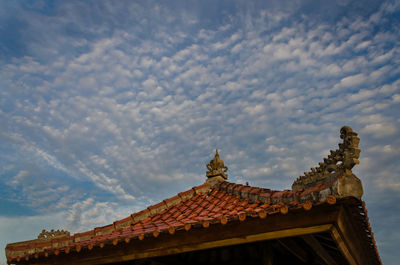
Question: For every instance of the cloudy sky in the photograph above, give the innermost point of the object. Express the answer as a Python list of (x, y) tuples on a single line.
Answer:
[(107, 107)]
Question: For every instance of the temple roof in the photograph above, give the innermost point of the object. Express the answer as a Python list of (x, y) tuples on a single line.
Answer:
[(214, 203)]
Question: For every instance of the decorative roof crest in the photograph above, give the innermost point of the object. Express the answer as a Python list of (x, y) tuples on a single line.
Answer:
[(216, 167), (338, 163), (48, 235)]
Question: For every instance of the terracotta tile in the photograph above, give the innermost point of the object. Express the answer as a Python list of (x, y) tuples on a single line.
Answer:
[(223, 202), (165, 216), (204, 204), (198, 210), (204, 213), (172, 201), (156, 207), (214, 193), (186, 194), (265, 194), (217, 216), (255, 190), (245, 189), (224, 184), (141, 215), (234, 212), (211, 207), (191, 216), (156, 218), (162, 226), (231, 186), (147, 221), (216, 209), (220, 195), (123, 222), (202, 188), (244, 203), (137, 226), (193, 206)]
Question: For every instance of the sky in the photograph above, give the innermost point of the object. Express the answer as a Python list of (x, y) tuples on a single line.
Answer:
[(107, 107)]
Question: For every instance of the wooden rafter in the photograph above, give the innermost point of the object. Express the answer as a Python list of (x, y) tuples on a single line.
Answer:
[(319, 249), (290, 245)]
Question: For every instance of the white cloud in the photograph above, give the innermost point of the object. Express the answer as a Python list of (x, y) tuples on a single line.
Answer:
[(396, 98), (353, 80), (134, 107), (380, 130), (363, 94)]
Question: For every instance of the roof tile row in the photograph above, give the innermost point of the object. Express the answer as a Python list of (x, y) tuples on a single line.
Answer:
[(200, 206)]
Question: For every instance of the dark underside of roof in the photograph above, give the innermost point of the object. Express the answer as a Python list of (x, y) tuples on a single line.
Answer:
[(318, 248), (282, 242)]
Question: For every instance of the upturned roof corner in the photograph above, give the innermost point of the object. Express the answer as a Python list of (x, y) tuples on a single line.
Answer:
[(336, 168)]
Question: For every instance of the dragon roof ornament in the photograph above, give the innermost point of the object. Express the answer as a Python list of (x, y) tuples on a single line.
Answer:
[(338, 163)]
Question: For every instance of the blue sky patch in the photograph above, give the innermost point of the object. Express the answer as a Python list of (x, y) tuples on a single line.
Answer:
[(107, 107)]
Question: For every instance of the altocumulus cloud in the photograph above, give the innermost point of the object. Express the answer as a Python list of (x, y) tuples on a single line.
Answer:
[(107, 107)]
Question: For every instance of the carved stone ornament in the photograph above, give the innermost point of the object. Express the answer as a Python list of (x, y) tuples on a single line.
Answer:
[(45, 235), (338, 163), (216, 167)]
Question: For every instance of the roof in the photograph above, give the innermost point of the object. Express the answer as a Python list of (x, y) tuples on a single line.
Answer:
[(216, 202)]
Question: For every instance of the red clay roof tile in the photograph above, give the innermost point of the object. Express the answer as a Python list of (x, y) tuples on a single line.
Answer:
[(198, 207)]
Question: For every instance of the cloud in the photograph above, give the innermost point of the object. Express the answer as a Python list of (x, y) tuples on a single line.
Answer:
[(103, 113), (380, 130), (353, 80)]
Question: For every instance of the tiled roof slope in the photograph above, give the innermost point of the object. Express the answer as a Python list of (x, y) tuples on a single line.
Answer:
[(219, 202), (200, 206)]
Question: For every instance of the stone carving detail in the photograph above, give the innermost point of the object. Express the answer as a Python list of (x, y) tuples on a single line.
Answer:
[(52, 234), (216, 167), (338, 163)]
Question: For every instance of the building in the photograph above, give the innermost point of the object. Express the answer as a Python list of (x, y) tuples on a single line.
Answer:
[(320, 220)]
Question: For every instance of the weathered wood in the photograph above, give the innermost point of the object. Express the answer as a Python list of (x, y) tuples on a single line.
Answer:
[(290, 245), (319, 250), (343, 246), (348, 231)]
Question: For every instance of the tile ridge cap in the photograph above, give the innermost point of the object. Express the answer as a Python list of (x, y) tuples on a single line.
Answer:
[(218, 186)]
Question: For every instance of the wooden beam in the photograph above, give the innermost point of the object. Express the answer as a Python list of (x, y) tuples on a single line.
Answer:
[(193, 247), (343, 246), (319, 250), (290, 245), (349, 232)]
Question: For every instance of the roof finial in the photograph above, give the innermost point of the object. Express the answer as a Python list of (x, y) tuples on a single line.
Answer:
[(216, 168)]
